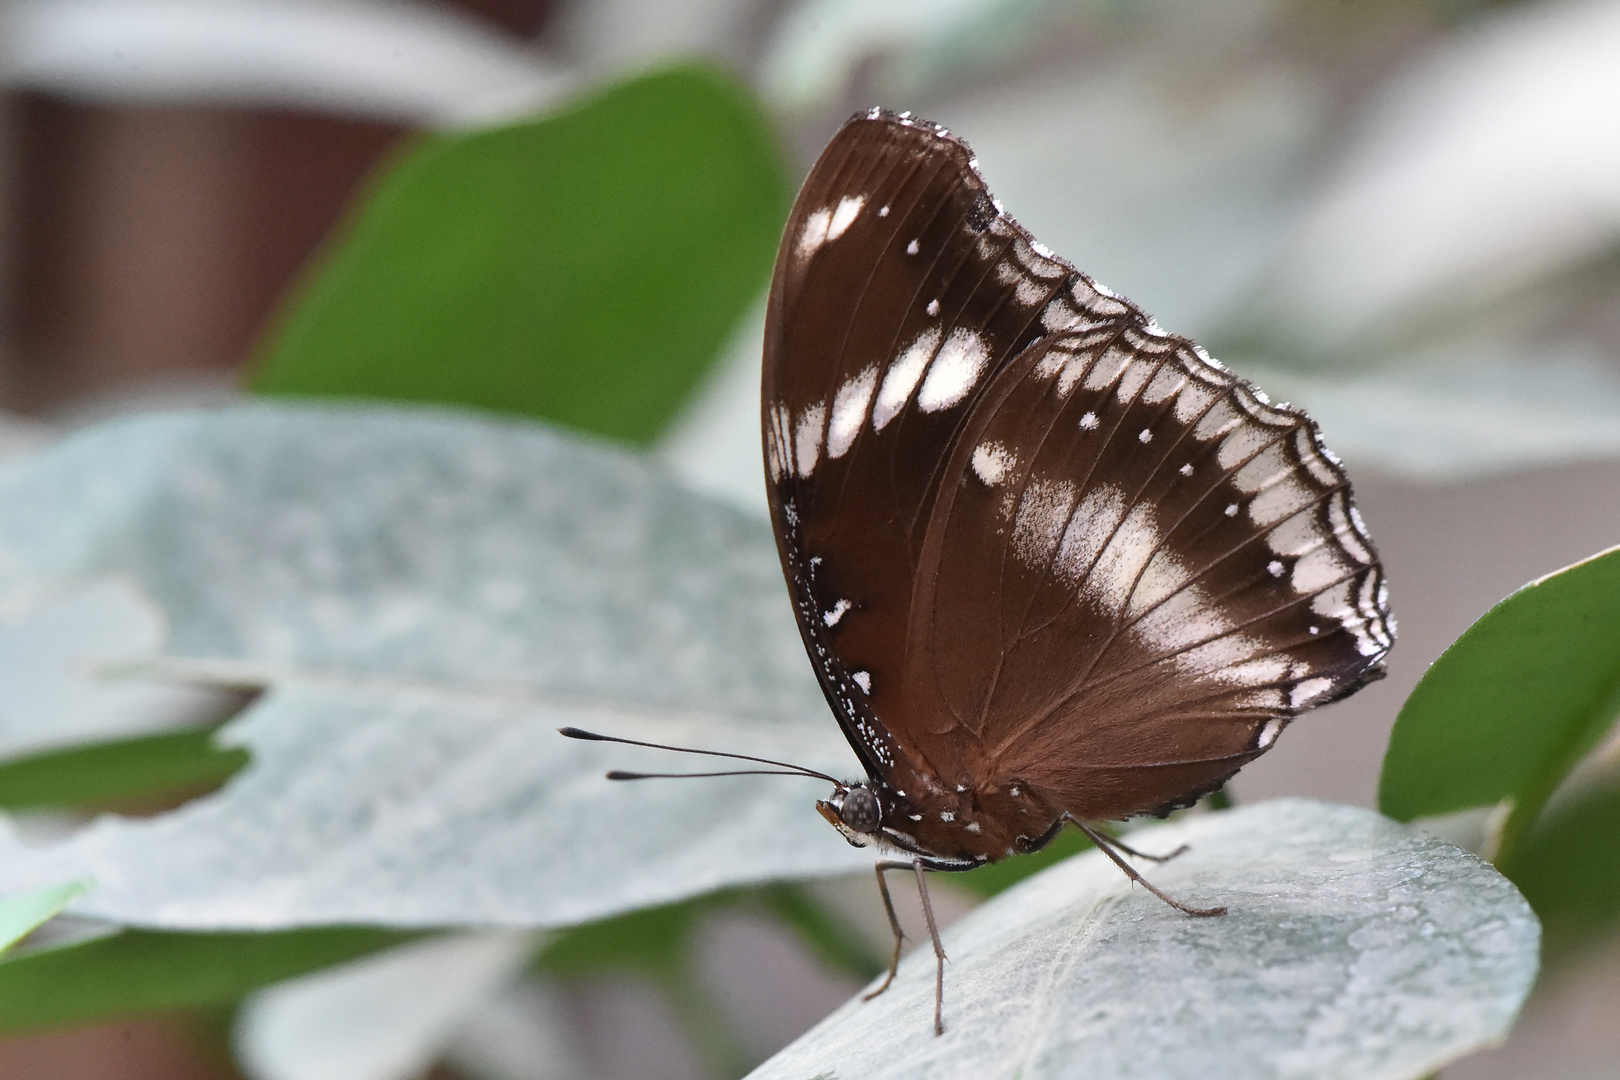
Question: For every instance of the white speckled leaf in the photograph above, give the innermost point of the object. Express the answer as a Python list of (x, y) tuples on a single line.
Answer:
[(1354, 949), (428, 596)]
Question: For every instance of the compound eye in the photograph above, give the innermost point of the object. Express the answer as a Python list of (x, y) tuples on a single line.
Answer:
[(859, 810)]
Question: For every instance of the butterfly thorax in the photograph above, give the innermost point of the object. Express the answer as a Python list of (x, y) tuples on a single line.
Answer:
[(959, 828)]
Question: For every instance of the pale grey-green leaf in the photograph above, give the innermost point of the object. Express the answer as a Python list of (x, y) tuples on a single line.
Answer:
[(1353, 949), (424, 808), (427, 596)]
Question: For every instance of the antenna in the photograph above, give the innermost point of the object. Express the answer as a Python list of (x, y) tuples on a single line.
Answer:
[(791, 770)]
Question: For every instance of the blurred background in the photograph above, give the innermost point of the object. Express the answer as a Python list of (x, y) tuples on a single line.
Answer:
[(1402, 214)]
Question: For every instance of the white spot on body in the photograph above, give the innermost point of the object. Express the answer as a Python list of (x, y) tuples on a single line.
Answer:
[(911, 248), (947, 815), (839, 610), (991, 462), (903, 376), (863, 679), (972, 826), (849, 411), (960, 362)]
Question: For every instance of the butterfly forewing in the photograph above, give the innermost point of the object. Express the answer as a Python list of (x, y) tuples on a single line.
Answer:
[(1031, 538), (898, 291)]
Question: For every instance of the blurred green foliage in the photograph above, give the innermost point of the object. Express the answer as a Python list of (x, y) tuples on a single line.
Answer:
[(153, 770), (1503, 718), (138, 971), (584, 267)]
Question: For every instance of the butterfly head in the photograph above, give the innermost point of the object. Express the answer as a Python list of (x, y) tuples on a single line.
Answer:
[(856, 811)]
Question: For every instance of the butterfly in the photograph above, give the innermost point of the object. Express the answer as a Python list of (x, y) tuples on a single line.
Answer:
[(1050, 562)]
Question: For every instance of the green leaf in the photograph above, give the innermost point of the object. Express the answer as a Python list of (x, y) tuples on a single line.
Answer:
[(1514, 703), (115, 773), (653, 940), (22, 915), (139, 971), (1569, 868), (585, 267)]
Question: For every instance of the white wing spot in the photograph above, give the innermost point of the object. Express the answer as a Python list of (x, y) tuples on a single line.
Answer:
[(1275, 568), (960, 362), (903, 377), (947, 815), (1088, 422), (1315, 630), (863, 679), (1269, 733), (807, 438), (883, 211), (992, 462), (849, 411), (1231, 510), (1146, 436), (839, 610), (911, 248), (1186, 470), (815, 233), (849, 207), (933, 307), (1307, 692), (972, 826)]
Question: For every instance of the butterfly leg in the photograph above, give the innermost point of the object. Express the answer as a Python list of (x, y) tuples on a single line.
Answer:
[(917, 866), (1133, 853), (939, 949), (894, 924), (1107, 845)]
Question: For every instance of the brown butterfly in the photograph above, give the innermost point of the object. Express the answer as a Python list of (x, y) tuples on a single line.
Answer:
[(1050, 562)]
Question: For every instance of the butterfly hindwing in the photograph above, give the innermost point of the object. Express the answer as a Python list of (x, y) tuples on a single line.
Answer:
[(1159, 566)]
